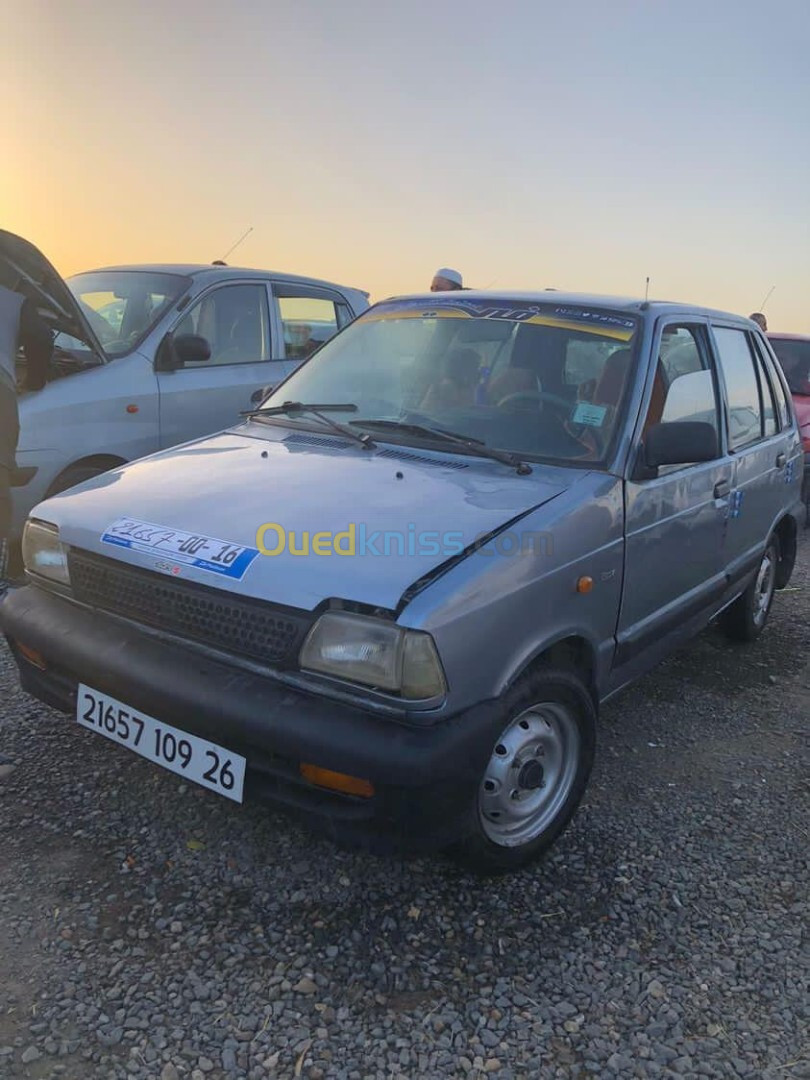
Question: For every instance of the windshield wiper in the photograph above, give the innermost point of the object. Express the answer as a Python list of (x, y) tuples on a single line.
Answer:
[(473, 446), (289, 408)]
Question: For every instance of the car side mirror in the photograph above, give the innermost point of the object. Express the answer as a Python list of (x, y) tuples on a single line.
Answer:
[(191, 349), (258, 396), (176, 352), (680, 443)]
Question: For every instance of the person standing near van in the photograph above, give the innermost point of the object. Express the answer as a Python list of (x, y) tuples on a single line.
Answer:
[(446, 280), (20, 326)]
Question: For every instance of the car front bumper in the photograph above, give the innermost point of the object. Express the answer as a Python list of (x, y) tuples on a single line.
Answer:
[(425, 779)]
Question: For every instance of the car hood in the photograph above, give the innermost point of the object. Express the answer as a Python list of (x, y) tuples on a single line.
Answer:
[(24, 269), (228, 486)]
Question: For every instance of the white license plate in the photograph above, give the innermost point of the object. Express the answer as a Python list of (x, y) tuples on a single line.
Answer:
[(196, 759)]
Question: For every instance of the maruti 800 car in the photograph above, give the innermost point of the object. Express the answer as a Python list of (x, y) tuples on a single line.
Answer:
[(395, 596)]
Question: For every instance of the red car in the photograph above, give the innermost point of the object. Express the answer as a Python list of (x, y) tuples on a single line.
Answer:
[(793, 351)]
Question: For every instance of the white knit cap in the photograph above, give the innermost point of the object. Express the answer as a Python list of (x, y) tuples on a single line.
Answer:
[(449, 275)]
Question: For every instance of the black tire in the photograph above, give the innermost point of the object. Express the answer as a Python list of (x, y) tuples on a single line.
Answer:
[(74, 476), (747, 617), (541, 697)]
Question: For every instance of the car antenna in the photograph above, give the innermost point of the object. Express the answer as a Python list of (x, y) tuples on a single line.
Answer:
[(767, 298), (647, 290), (221, 262)]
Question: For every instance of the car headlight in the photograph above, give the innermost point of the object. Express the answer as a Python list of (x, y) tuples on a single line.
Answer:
[(43, 553), (375, 653)]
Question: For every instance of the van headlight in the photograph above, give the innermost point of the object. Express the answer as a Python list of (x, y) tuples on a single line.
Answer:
[(43, 553), (365, 650)]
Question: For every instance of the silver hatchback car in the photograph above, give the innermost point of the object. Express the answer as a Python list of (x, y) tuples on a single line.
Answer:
[(395, 597), (156, 355)]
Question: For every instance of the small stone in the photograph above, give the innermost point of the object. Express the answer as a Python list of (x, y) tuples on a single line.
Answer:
[(571, 1026), (492, 1065), (30, 1055), (169, 1072), (655, 989), (205, 1064), (305, 986), (6, 769), (176, 927), (713, 1030)]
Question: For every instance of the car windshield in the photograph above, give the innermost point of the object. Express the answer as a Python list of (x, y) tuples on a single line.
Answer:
[(538, 380), (794, 356), (122, 306)]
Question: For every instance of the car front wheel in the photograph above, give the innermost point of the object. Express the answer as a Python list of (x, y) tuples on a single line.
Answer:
[(536, 774)]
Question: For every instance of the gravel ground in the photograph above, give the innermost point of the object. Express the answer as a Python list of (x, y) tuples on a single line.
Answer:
[(151, 929)]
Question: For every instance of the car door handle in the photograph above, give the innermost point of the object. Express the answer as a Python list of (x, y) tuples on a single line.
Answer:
[(780, 461), (722, 488)]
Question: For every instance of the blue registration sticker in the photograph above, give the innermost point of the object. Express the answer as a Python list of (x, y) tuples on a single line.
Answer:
[(592, 415), (177, 548)]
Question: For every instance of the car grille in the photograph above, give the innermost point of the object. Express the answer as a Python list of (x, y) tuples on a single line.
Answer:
[(212, 617)]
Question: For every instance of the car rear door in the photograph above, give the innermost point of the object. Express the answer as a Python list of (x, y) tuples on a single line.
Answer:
[(204, 397), (305, 317), (758, 444), (674, 520)]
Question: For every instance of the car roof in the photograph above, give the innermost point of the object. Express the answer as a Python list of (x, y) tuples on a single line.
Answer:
[(788, 337), (630, 305), (214, 272)]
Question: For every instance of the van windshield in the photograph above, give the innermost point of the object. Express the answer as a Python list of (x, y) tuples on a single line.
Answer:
[(540, 381), (122, 306)]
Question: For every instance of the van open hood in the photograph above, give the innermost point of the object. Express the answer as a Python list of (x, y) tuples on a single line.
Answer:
[(24, 269)]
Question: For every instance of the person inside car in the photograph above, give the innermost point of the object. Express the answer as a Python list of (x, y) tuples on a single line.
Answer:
[(760, 320)]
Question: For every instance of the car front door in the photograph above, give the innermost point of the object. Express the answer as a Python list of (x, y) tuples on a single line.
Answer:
[(758, 442), (207, 396), (674, 520)]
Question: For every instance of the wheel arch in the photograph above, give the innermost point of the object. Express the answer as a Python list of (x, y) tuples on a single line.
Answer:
[(572, 651), (786, 532), (100, 462)]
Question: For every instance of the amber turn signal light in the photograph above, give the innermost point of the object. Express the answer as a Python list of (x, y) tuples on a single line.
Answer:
[(585, 584), (336, 781), (32, 656)]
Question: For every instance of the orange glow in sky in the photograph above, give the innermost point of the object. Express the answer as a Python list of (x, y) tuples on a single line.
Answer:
[(530, 145)]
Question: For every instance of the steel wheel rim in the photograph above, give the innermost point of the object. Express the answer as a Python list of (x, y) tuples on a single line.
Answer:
[(530, 774), (763, 587)]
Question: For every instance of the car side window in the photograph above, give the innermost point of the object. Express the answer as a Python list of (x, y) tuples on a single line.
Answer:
[(234, 320), (782, 407), (742, 387), (770, 423), (684, 386), (308, 321)]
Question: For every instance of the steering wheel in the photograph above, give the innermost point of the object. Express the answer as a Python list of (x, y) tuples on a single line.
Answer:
[(537, 396)]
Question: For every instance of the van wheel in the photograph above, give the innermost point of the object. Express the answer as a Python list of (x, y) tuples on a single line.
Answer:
[(745, 619), (74, 476), (536, 774)]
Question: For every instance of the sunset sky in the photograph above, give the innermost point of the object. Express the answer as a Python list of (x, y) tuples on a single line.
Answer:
[(579, 145)]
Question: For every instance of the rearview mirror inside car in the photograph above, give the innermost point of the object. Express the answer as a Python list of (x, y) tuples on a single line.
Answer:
[(682, 442)]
